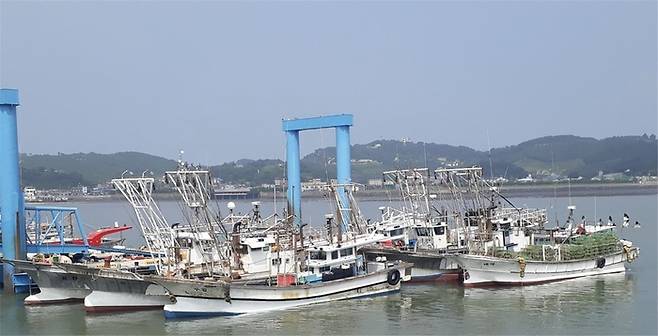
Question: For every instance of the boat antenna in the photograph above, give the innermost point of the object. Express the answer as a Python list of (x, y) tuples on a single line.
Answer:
[(491, 173), (275, 208), (554, 200), (126, 172), (569, 183), (595, 208), (425, 154)]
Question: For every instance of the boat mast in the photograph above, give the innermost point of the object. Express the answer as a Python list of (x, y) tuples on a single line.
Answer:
[(413, 190), (156, 231)]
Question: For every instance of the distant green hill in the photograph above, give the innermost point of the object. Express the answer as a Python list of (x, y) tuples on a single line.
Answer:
[(560, 155), (68, 170), (577, 156), (253, 172), (564, 155), (44, 178)]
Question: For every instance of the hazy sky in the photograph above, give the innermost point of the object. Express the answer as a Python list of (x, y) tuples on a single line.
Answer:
[(216, 78)]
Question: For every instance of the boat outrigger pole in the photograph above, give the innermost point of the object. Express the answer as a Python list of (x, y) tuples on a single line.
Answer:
[(194, 186), (157, 233)]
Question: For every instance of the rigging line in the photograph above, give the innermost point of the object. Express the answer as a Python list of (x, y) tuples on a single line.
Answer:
[(387, 191), (554, 200), (284, 177), (490, 158), (324, 153)]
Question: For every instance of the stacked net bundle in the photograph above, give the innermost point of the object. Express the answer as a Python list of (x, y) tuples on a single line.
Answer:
[(581, 247), (590, 246)]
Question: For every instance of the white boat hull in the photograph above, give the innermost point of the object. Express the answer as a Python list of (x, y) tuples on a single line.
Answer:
[(483, 270), (207, 299), (104, 301), (199, 307), (57, 295)]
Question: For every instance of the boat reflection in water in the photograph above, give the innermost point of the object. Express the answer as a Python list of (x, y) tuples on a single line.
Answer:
[(616, 286), (572, 302)]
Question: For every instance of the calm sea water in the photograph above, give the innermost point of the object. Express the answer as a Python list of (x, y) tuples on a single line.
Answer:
[(611, 304)]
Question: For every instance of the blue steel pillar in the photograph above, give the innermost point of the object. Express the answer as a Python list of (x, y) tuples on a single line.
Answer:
[(294, 194), (292, 127), (11, 196), (343, 171)]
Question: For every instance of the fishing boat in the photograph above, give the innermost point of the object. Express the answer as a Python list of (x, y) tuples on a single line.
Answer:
[(429, 227), (201, 249), (55, 284), (340, 275), (418, 239), (115, 282), (178, 250), (599, 253), (323, 268), (198, 298), (114, 290), (418, 232), (545, 255)]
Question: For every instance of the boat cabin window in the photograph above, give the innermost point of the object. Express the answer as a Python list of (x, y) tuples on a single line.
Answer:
[(266, 248), (334, 254), (541, 240), (324, 269), (439, 230), (346, 252), (396, 232), (242, 249), (423, 232), (276, 261), (318, 255), (185, 242), (471, 221)]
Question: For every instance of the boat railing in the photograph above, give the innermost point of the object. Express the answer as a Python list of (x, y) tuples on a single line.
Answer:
[(523, 216)]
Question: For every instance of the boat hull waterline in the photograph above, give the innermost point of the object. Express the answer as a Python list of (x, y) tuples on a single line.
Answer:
[(257, 299), (117, 291), (55, 284), (106, 302), (491, 271), (201, 307)]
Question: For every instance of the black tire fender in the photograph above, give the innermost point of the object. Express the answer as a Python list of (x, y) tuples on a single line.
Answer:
[(600, 263), (393, 277)]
